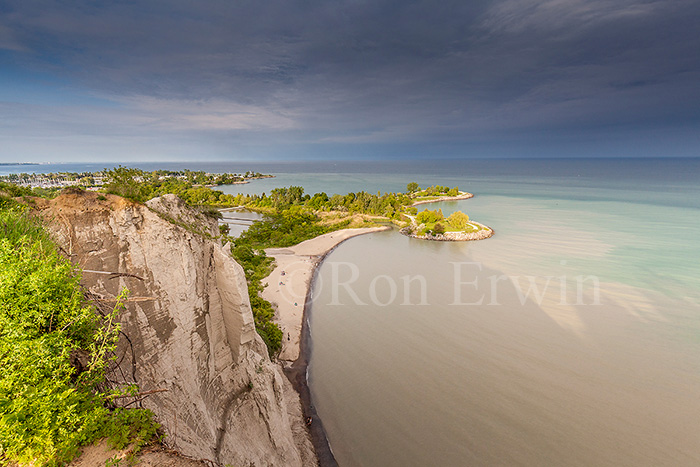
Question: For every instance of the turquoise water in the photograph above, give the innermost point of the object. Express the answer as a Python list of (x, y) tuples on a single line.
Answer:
[(586, 351), (571, 337)]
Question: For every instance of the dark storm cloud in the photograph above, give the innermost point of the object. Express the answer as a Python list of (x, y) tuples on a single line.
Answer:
[(367, 72)]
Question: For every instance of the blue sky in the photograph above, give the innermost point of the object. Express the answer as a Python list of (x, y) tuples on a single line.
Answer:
[(285, 80)]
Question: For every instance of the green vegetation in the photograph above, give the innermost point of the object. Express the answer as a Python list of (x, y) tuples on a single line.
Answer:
[(278, 229), (437, 191), (291, 217), (429, 217), (11, 190), (283, 228), (257, 266), (128, 183), (52, 401), (428, 222), (141, 186), (387, 205), (458, 220), (435, 223)]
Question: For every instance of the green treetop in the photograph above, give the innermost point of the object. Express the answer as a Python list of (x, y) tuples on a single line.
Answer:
[(458, 220)]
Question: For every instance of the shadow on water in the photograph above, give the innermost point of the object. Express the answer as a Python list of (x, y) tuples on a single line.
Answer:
[(507, 381)]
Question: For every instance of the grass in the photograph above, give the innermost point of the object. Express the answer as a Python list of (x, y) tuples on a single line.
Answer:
[(471, 227)]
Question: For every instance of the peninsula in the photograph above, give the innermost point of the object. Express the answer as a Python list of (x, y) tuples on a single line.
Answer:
[(365, 209), (133, 213), (433, 225), (300, 230)]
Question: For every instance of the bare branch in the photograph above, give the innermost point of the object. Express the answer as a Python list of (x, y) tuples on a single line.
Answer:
[(114, 274)]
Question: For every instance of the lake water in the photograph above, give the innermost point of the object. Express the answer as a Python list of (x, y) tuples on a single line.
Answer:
[(571, 337), (238, 220)]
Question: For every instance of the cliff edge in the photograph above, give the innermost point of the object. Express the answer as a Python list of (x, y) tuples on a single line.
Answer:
[(187, 327)]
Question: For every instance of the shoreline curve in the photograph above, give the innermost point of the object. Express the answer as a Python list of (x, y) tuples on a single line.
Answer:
[(286, 293)]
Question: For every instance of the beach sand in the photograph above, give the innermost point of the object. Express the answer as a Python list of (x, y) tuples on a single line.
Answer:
[(289, 282)]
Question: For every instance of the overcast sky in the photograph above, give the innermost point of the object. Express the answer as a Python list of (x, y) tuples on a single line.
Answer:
[(241, 80)]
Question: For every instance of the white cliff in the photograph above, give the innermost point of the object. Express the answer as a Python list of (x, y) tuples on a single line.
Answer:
[(187, 328)]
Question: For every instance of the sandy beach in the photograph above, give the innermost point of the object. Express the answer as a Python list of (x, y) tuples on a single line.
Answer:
[(289, 282)]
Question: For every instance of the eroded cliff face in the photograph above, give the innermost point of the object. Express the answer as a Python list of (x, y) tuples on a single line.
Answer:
[(187, 328)]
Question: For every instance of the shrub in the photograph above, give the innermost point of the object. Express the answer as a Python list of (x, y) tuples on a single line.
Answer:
[(257, 266), (12, 191), (48, 406), (128, 183), (458, 220), (429, 217)]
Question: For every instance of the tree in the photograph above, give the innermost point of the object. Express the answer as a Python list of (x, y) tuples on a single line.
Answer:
[(429, 217), (458, 220), (438, 229), (127, 182), (412, 188)]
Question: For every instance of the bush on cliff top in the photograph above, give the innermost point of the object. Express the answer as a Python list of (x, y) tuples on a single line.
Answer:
[(48, 409)]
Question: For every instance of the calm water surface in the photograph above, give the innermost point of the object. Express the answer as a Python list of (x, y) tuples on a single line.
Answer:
[(572, 337)]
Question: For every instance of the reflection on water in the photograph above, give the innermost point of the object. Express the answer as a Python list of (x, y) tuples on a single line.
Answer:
[(540, 371)]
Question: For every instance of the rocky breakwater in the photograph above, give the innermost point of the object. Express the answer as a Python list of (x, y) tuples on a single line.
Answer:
[(481, 234), (187, 328), (461, 196)]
